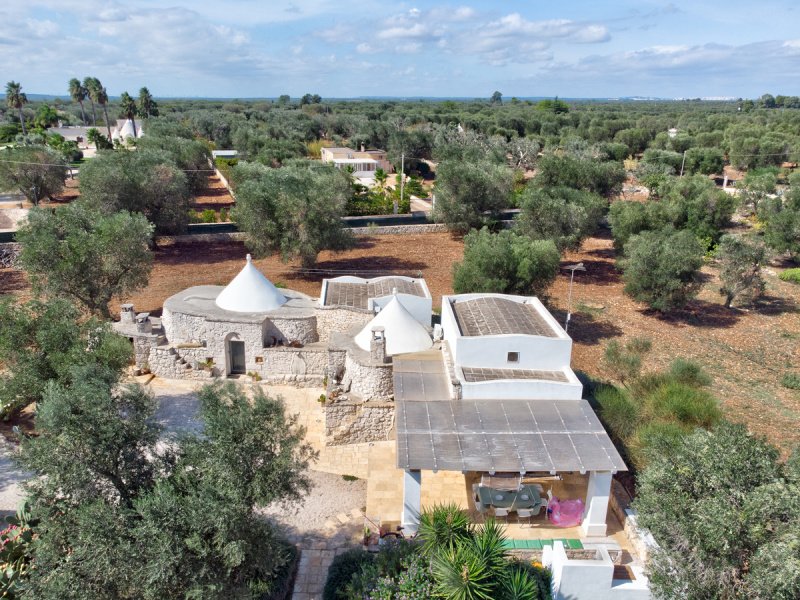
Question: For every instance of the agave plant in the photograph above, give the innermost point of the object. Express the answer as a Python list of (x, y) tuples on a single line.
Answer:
[(443, 527), (460, 573)]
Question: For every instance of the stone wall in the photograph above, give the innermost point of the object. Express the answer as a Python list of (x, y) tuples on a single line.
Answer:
[(400, 229), (366, 380), (284, 364), (173, 363), (335, 319), (358, 422), (301, 329), (336, 366)]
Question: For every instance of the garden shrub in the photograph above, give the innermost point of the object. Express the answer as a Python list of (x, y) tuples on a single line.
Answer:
[(790, 275), (208, 216), (342, 570), (791, 381)]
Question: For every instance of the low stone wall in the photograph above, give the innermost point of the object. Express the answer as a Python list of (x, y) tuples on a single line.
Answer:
[(400, 229), (358, 422), (641, 540)]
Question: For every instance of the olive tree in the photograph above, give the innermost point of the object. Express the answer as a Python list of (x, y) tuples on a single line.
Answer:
[(85, 255), (471, 194), (740, 268), (43, 341), (564, 215), (725, 513), (147, 181), (38, 172), (506, 263), (661, 268), (135, 518), (295, 210)]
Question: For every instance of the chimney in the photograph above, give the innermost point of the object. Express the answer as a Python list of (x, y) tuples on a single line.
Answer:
[(126, 314), (143, 324), (377, 345)]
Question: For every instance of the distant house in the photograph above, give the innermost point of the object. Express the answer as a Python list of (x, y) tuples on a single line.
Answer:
[(124, 129), (224, 154), (72, 134), (363, 163)]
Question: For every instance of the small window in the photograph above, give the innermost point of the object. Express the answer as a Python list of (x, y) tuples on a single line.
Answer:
[(513, 357)]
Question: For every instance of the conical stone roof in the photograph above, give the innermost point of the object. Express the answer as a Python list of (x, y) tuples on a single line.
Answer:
[(402, 331), (250, 292)]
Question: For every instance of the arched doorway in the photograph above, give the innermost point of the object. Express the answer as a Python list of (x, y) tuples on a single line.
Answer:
[(235, 355)]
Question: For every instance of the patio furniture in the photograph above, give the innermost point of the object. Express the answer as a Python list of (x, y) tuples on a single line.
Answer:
[(476, 499), (527, 497), (502, 481), (525, 513), (501, 512)]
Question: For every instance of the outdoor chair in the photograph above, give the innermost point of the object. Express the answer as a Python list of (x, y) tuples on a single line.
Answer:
[(501, 512), (525, 513)]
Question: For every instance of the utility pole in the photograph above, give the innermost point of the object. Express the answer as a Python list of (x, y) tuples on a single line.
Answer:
[(571, 269), (402, 180), (683, 162)]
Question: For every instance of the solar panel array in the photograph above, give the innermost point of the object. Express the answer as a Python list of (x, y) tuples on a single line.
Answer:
[(356, 295), (503, 435), (499, 316), (478, 374)]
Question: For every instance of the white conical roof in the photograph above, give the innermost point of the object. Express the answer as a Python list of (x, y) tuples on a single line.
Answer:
[(127, 130), (250, 292), (402, 331)]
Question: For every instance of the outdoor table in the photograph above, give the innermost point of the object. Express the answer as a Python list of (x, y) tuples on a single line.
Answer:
[(526, 498)]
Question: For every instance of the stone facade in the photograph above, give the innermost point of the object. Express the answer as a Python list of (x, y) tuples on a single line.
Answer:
[(284, 364), (348, 422), (366, 379), (179, 363), (336, 319)]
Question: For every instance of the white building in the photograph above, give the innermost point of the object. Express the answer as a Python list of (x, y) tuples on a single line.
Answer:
[(363, 163)]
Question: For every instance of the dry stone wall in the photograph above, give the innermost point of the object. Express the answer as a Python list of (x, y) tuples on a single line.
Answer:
[(8, 255), (369, 381), (334, 319), (358, 422), (294, 365), (171, 363)]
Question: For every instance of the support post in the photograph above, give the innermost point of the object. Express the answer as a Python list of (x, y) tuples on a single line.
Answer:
[(412, 500), (598, 493)]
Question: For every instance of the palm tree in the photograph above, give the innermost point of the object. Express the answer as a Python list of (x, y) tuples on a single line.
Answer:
[(129, 109), (147, 106), (102, 100), (92, 86), (78, 94), (16, 98)]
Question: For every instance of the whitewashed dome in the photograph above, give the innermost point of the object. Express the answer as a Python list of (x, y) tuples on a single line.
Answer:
[(250, 292), (402, 331)]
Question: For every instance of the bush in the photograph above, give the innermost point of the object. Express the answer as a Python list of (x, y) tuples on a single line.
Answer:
[(662, 267), (208, 216), (689, 373), (505, 263), (790, 275), (791, 381), (342, 570)]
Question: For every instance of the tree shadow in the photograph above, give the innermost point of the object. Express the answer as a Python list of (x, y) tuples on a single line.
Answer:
[(773, 305), (361, 266), (598, 272), (698, 313), (201, 254), (12, 281), (585, 328)]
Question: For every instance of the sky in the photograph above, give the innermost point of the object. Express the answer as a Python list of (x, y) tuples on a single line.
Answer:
[(264, 48)]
